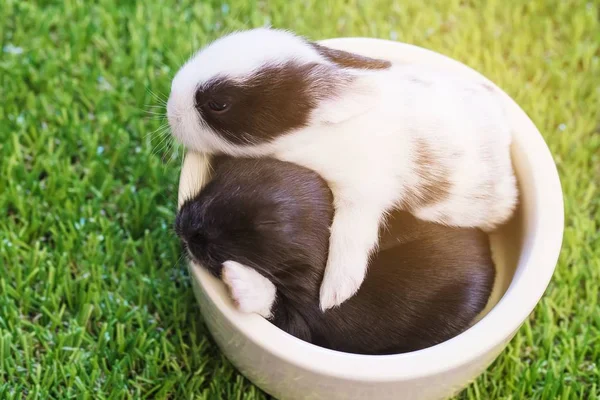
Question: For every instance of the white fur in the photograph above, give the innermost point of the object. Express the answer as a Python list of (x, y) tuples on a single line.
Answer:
[(364, 144), (250, 291)]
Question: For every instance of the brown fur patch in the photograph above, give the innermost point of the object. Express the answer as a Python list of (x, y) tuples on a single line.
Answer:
[(350, 60), (399, 227), (434, 180), (270, 103)]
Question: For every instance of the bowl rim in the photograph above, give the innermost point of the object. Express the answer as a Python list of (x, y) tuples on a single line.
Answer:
[(537, 263)]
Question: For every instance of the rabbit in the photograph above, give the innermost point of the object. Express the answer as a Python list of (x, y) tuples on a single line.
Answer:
[(262, 226), (385, 136)]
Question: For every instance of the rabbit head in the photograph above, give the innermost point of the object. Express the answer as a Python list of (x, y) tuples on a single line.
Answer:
[(264, 213), (248, 88)]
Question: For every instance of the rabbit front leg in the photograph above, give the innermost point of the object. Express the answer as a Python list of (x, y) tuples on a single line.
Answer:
[(354, 236), (251, 292)]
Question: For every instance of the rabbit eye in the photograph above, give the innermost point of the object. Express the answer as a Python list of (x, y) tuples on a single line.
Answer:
[(218, 106)]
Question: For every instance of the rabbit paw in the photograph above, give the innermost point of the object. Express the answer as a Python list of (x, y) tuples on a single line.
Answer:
[(342, 280), (251, 292)]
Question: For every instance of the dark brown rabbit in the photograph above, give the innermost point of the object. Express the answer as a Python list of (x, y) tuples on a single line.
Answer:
[(262, 225)]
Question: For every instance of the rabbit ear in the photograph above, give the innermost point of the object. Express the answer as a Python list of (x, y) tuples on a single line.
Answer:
[(352, 70), (345, 59)]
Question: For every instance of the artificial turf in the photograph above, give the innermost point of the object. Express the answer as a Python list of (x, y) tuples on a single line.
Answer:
[(94, 300)]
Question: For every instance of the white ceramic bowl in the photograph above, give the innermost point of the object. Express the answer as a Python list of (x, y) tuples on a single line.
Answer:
[(525, 251)]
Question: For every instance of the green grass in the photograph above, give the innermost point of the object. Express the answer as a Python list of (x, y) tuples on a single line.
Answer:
[(94, 300)]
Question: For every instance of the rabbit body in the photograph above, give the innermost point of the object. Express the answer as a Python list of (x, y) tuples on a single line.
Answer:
[(385, 137), (261, 225)]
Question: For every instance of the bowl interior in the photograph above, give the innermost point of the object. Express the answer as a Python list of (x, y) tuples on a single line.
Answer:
[(525, 252), (506, 243)]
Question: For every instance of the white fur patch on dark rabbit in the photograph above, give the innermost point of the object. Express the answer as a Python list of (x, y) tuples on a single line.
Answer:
[(384, 136), (250, 291)]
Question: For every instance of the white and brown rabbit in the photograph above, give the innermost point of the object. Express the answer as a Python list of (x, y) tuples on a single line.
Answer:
[(383, 136), (262, 226)]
